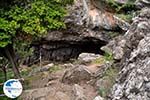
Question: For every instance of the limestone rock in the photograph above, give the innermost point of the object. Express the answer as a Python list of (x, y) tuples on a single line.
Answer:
[(116, 47), (39, 94), (61, 96), (121, 23), (47, 67), (78, 93), (118, 53), (92, 14), (121, 1), (133, 81), (76, 75), (88, 57), (142, 3), (98, 98)]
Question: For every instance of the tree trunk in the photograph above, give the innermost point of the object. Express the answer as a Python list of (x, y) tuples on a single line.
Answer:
[(5, 72), (9, 51)]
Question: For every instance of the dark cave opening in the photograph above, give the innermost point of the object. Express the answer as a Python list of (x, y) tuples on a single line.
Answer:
[(61, 51)]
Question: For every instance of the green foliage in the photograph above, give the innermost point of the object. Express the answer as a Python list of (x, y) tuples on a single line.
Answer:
[(23, 21), (118, 7), (39, 17), (7, 30), (23, 50), (126, 17), (32, 18), (55, 68), (66, 1), (99, 61), (108, 56), (124, 11), (112, 3), (112, 34)]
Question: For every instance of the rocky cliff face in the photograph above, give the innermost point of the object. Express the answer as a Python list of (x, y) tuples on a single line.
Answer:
[(86, 31), (134, 78), (142, 3)]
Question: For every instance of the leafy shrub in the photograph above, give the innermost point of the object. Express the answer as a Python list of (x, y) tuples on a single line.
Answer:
[(23, 21), (108, 56), (129, 5), (126, 17), (36, 18)]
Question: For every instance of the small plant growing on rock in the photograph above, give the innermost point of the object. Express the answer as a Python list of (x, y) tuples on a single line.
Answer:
[(113, 34), (108, 56), (107, 81), (127, 17), (99, 61), (55, 68), (119, 7), (124, 11)]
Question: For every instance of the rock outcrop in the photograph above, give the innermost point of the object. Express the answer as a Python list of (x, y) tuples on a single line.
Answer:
[(88, 57), (78, 93), (134, 78), (86, 28), (76, 75), (142, 3)]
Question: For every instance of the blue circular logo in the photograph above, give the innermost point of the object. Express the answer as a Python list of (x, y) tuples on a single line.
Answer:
[(12, 88)]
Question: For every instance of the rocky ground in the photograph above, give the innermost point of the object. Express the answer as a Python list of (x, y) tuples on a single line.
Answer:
[(79, 80)]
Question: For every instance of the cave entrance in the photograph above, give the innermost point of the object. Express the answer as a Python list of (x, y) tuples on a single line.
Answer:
[(66, 50)]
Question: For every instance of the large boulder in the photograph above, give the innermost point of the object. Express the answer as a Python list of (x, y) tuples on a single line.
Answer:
[(92, 14), (88, 57), (77, 74), (133, 81)]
